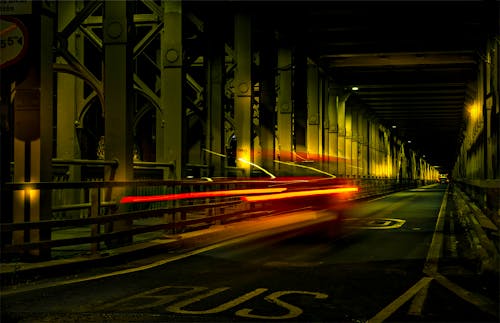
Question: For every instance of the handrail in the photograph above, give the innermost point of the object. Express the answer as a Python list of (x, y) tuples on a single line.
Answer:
[(98, 162), (170, 165), (170, 216)]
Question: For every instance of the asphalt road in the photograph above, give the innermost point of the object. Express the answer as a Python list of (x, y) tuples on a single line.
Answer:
[(386, 267)]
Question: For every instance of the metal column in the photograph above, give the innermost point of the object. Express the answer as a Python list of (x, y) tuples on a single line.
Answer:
[(169, 147), (267, 114), (33, 117), (341, 121), (118, 101), (117, 88), (214, 65), (243, 91), (313, 116), (69, 100), (332, 148), (285, 122)]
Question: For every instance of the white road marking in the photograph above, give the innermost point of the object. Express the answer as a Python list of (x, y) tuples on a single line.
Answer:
[(177, 307), (293, 311), (18, 290), (398, 302)]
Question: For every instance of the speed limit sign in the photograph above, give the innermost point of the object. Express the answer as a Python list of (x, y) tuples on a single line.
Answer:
[(13, 41)]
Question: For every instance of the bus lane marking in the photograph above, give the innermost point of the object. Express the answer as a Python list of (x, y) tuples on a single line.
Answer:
[(161, 296), (177, 307), (293, 311), (153, 298)]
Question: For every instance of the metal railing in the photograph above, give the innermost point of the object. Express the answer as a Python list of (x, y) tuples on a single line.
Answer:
[(96, 229), (98, 209)]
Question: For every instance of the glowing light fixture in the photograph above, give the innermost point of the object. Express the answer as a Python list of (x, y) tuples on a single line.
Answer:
[(474, 111), (355, 88)]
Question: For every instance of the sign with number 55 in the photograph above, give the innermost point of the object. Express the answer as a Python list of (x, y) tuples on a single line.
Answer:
[(13, 41)]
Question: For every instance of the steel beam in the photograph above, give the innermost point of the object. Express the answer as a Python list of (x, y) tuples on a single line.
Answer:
[(170, 130), (243, 90)]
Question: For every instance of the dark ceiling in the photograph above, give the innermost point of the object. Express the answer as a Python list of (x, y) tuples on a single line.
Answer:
[(413, 61)]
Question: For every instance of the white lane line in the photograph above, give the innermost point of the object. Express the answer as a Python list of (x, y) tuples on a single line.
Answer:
[(18, 290), (398, 302), (247, 237), (433, 255), (482, 302), (418, 302), (431, 262)]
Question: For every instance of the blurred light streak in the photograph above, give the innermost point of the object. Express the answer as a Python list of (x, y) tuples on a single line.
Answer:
[(191, 195), (303, 166), (260, 198), (214, 153), (257, 166)]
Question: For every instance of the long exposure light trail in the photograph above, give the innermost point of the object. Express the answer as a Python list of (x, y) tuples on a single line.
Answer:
[(260, 198), (194, 195)]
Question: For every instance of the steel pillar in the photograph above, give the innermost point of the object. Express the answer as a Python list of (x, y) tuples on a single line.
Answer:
[(313, 113), (215, 68), (243, 91), (332, 147), (285, 122), (267, 100), (341, 121), (169, 147), (363, 144), (69, 101), (33, 128), (118, 101)]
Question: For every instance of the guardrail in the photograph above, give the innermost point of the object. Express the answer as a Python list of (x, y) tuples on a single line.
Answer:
[(93, 230)]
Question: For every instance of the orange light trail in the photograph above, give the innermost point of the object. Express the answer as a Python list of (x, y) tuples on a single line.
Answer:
[(193, 195), (260, 198)]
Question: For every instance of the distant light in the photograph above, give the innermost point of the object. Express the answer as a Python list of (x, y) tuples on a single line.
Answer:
[(394, 127), (423, 156), (409, 141), (355, 88)]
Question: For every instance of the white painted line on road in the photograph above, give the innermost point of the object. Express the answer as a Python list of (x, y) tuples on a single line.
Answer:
[(398, 302), (382, 224), (482, 302), (418, 302), (293, 311), (18, 290), (178, 307), (433, 255), (249, 236), (431, 263)]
